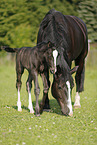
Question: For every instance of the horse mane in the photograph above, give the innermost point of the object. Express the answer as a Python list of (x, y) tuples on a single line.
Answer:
[(53, 17), (54, 21)]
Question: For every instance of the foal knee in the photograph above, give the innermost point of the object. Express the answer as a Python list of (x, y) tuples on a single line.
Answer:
[(45, 90), (37, 92), (28, 86), (18, 85)]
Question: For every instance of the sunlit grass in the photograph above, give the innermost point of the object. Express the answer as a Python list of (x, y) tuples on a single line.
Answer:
[(51, 128)]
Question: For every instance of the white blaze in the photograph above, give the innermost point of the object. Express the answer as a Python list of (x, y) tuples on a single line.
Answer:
[(55, 54), (69, 104)]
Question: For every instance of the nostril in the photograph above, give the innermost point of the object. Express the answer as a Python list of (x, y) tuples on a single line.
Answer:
[(71, 114)]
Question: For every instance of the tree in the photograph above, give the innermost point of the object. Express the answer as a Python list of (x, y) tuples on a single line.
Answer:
[(20, 19), (87, 11)]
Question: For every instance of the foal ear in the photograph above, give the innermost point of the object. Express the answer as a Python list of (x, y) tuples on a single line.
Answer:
[(74, 69), (50, 44)]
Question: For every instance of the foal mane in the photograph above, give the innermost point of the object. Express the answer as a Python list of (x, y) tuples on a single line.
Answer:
[(39, 45)]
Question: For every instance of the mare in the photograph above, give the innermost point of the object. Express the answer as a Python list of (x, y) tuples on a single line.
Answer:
[(71, 31), (37, 60)]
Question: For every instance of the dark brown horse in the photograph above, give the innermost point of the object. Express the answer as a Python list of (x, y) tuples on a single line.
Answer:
[(37, 60), (72, 33)]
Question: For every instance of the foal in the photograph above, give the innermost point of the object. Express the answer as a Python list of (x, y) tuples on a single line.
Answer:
[(36, 60)]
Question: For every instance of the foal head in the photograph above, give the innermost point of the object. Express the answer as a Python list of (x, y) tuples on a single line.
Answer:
[(50, 55)]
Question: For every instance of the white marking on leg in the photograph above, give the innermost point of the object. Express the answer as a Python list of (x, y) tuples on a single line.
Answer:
[(55, 54), (19, 102), (77, 101), (30, 107), (69, 103)]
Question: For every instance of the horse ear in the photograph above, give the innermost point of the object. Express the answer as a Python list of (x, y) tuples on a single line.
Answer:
[(74, 69)]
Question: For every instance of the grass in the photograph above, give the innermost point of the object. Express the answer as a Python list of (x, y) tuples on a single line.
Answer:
[(51, 128)]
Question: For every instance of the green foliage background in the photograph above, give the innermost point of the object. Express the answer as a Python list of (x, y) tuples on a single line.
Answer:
[(87, 11), (20, 19)]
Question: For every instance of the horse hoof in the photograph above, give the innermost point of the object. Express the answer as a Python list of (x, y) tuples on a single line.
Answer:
[(77, 106)]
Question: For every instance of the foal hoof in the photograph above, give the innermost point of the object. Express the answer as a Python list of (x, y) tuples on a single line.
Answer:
[(20, 109), (37, 115), (32, 111)]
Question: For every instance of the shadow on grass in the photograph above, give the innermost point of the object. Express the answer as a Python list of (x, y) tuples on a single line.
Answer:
[(23, 107), (54, 107)]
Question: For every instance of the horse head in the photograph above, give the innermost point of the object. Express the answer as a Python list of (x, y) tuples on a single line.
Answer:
[(62, 87)]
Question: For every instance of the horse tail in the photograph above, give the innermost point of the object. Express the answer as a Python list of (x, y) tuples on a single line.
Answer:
[(8, 49)]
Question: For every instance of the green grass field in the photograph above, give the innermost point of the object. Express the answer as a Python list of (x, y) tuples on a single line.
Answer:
[(51, 128)]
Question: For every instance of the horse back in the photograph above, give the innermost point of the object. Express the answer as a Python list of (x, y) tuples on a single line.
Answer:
[(77, 36)]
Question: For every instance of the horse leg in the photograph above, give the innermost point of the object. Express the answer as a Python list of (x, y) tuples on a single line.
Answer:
[(46, 81), (29, 86), (18, 86), (77, 101), (45, 101), (79, 81), (36, 91)]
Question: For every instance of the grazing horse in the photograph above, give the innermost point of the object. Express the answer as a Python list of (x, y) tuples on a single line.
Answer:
[(71, 31), (62, 88), (37, 60)]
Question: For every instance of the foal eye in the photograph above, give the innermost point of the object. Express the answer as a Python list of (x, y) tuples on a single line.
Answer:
[(59, 87)]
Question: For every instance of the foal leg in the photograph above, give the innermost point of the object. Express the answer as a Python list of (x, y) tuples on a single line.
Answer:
[(29, 86), (79, 81), (36, 91), (45, 100), (18, 86), (19, 102)]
